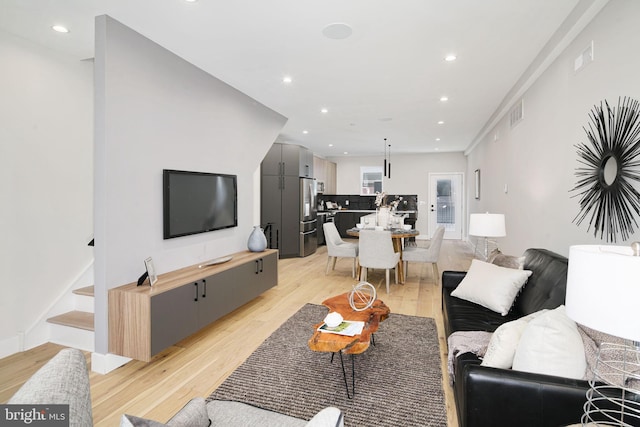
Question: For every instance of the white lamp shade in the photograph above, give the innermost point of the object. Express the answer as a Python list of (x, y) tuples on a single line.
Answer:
[(487, 225), (603, 289)]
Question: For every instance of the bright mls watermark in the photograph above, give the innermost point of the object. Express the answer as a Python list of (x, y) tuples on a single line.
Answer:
[(34, 415)]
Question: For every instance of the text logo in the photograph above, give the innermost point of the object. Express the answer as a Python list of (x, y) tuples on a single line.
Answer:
[(34, 415)]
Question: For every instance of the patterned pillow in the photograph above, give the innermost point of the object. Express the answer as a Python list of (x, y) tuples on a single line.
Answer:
[(508, 261)]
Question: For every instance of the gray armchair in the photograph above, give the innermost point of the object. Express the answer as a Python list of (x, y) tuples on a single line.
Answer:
[(428, 255), (376, 251), (338, 248)]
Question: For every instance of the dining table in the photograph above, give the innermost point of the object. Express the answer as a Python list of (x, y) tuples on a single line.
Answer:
[(397, 234)]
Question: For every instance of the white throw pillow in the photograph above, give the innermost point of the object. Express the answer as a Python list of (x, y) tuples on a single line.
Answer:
[(491, 286), (504, 342), (551, 345)]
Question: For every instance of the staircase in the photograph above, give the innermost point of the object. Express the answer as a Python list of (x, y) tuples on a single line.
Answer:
[(75, 328)]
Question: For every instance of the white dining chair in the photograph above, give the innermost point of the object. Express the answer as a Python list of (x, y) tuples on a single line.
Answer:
[(338, 248), (376, 251), (427, 255)]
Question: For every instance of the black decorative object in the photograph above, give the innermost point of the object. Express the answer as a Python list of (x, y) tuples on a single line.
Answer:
[(384, 167), (610, 162)]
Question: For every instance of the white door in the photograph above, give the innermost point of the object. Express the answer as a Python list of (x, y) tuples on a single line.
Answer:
[(445, 203)]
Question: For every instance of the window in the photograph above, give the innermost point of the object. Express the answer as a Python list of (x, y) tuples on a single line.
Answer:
[(370, 180)]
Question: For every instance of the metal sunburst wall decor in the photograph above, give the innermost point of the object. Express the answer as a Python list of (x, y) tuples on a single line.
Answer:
[(609, 168)]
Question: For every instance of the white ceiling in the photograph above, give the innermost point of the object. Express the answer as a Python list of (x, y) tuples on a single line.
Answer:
[(384, 81)]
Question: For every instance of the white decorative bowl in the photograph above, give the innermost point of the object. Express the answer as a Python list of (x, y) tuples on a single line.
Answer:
[(406, 226), (333, 319), (359, 225)]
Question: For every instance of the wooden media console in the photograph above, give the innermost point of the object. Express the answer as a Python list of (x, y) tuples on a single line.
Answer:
[(145, 320)]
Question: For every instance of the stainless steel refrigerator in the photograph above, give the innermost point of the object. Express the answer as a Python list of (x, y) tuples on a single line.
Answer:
[(308, 217), (288, 214)]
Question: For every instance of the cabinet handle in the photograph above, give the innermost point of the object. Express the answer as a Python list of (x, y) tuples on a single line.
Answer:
[(261, 265), (204, 290), (196, 285), (257, 267)]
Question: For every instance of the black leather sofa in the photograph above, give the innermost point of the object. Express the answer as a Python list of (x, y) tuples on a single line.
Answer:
[(490, 397)]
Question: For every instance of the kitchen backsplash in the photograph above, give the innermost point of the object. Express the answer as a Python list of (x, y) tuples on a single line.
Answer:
[(409, 202)]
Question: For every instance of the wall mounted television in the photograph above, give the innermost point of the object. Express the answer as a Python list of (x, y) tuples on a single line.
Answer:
[(198, 202)]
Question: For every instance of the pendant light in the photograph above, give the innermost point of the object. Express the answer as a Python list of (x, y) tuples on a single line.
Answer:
[(384, 168), (389, 163)]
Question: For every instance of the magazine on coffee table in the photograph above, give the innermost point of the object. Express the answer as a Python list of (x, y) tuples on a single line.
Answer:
[(347, 327)]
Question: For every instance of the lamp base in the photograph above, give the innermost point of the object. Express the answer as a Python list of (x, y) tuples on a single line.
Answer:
[(613, 398)]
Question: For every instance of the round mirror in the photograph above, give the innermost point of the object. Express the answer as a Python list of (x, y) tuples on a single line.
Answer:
[(609, 170)]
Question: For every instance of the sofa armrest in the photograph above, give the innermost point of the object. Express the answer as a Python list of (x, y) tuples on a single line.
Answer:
[(62, 380), (504, 397), (328, 417), (451, 279)]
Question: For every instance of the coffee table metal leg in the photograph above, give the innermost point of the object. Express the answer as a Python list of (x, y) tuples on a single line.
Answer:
[(353, 376)]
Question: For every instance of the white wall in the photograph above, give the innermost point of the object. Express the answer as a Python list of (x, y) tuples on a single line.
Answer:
[(409, 175), (155, 111), (45, 180), (537, 159)]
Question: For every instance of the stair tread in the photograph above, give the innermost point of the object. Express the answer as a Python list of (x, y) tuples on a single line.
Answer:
[(75, 319), (88, 291)]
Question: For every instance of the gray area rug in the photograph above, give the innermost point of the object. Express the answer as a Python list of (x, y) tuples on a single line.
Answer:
[(398, 381)]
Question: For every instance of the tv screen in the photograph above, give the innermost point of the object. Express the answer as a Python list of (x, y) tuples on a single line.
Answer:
[(197, 202)]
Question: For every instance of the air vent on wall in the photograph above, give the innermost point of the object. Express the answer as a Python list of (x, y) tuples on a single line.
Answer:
[(516, 114)]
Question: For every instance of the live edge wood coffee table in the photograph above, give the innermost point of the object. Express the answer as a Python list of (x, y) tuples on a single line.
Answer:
[(335, 343)]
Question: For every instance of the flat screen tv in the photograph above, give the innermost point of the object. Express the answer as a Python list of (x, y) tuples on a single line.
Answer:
[(197, 202)]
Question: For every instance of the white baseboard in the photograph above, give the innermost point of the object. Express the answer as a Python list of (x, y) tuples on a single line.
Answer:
[(105, 363), (10, 346)]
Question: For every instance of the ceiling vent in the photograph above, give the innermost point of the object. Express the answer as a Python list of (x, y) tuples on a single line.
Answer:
[(516, 114)]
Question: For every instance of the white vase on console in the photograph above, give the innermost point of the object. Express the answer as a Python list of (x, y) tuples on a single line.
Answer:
[(257, 240)]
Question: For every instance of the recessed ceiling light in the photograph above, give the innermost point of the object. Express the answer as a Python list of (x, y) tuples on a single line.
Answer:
[(450, 58), (330, 145), (191, 1), (437, 149), (337, 31), (444, 98), (324, 111), (60, 29), (441, 122), (346, 152), (305, 131), (437, 139), (287, 79)]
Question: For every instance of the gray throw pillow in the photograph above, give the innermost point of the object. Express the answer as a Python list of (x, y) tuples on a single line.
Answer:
[(193, 414)]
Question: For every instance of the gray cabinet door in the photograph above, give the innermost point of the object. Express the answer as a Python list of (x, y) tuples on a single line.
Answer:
[(254, 278), (272, 163), (173, 316), (215, 293), (306, 163), (271, 208), (291, 159), (290, 218)]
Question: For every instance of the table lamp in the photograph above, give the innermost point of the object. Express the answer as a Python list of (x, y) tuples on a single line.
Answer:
[(487, 225), (603, 291)]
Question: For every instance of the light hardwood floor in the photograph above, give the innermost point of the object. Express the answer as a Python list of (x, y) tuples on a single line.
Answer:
[(197, 365)]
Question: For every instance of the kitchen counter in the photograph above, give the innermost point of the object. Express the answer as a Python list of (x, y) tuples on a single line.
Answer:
[(361, 211)]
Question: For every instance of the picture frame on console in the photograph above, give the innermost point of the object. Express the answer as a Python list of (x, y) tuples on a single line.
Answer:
[(151, 271)]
